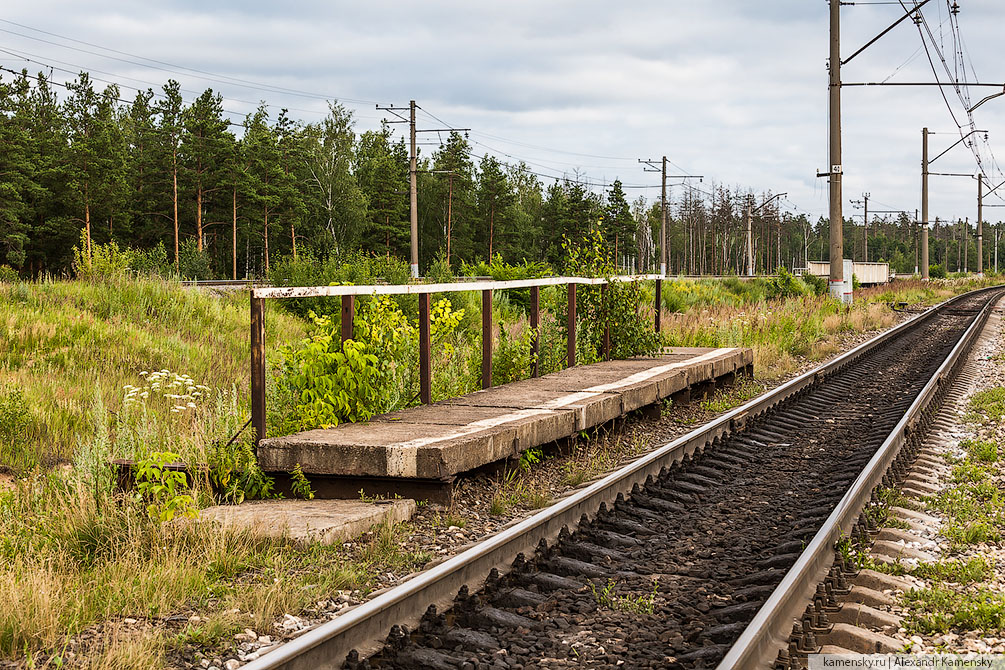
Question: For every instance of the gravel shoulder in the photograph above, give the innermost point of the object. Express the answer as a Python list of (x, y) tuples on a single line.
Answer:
[(933, 579)]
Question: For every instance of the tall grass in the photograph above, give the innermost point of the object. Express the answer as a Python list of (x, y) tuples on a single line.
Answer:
[(70, 558), (734, 313), (66, 341)]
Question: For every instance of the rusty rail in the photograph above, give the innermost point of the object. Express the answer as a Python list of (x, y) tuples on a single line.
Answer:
[(348, 294)]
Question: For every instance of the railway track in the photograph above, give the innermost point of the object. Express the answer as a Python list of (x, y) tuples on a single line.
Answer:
[(699, 554)]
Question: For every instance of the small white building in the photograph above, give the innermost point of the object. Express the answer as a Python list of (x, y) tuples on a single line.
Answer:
[(868, 274)]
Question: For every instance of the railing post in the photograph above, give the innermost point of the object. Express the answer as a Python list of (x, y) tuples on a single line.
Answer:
[(659, 305), (571, 323), (348, 315), (487, 338), (535, 327), (607, 321), (425, 376), (258, 366)]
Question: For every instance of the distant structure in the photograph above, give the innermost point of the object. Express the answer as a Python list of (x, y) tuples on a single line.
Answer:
[(868, 274)]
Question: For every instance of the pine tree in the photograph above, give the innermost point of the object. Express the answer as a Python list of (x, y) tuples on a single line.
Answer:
[(96, 153), (16, 174), (170, 129), (266, 182), (52, 230), (382, 172), (203, 149), (453, 196), (494, 199), (527, 240), (619, 224), (147, 205)]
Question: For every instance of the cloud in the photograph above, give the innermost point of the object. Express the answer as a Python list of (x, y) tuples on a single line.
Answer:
[(731, 89)]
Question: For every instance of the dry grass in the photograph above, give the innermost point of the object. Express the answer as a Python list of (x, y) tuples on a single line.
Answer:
[(785, 332)]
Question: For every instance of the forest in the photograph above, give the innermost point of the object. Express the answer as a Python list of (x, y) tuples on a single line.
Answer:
[(206, 196)]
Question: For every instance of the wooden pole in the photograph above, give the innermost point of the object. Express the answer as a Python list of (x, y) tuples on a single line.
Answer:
[(425, 370), (535, 326), (487, 338), (258, 367)]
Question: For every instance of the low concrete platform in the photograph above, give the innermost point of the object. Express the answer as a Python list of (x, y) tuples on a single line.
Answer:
[(435, 442), (327, 521)]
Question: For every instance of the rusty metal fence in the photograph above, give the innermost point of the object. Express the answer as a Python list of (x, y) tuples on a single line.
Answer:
[(348, 295)]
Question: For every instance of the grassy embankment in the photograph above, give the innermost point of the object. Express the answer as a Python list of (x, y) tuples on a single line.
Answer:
[(72, 555)]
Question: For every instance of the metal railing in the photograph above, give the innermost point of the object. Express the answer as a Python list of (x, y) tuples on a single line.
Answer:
[(348, 296)]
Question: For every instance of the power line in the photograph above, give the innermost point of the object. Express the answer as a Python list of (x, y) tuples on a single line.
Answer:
[(174, 68)]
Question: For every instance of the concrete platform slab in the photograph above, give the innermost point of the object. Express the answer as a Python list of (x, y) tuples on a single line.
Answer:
[(327, 521), (443, 439)]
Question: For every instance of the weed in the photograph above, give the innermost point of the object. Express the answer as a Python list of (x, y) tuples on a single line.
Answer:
[(640, 604), (939, 610), (957, 571), (498, 506), (983, 451), (725, 399), (385, 548), (987, 405), (530, 457), (164, 488), (299, 484)]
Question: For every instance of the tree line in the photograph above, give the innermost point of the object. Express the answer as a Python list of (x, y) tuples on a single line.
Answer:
[(83, 166)]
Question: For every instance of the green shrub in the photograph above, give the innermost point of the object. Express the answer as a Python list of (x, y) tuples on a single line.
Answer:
[(502, 271), (786, 285), (355, 268), (511, 357), (104, 261), (8, 275), (331, 382), (166, 490), (193, 263), (816, 284), (630, 333), (152, 262), (936, 272), (299, 484)]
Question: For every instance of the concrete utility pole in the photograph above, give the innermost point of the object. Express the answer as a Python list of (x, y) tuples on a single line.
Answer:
[(750, 241), (980, 226), (925, 173), (865, 219), (663, 222), (924, 204), (966, 245), (915, 241), (413, 200), (837, 278), (865, 233), (649, 165)]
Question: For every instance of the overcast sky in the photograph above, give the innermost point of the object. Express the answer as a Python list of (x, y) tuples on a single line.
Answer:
[(730, 89)]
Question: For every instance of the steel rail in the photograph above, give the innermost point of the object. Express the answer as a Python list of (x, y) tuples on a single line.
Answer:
[(768, 632), (365, 627)]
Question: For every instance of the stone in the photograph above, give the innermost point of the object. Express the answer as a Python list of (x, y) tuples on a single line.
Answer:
[(327, 521)]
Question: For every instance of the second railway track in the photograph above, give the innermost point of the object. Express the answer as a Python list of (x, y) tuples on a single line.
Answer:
[(672, 556)]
